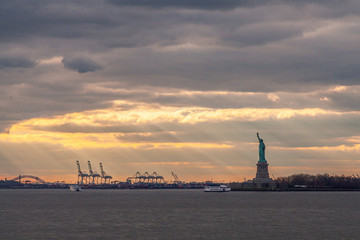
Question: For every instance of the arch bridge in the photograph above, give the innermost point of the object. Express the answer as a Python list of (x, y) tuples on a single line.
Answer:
[(18, 178)]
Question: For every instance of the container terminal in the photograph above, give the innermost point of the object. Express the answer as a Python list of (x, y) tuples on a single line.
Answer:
[(94, 180)]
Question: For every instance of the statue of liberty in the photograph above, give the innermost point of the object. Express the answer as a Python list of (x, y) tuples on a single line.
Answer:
[(261, 149)]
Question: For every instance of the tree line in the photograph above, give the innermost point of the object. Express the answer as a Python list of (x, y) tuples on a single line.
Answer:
[(319, 181)]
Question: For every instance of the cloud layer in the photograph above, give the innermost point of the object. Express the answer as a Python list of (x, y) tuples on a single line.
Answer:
[(16, 63), (163, 73)]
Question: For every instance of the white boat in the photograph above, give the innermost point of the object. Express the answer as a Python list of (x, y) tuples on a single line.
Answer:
[(75, 188), (217, 188)]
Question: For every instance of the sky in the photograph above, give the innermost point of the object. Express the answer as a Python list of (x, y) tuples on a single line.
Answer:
[(182, 86)]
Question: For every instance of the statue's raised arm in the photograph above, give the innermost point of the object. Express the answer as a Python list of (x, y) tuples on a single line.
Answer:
[(257, 134)]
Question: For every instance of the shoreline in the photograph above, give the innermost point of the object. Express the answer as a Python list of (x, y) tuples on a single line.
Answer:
[(173, 188)]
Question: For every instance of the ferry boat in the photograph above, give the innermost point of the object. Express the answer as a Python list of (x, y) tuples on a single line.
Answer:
[(75, 188), (217, 188)]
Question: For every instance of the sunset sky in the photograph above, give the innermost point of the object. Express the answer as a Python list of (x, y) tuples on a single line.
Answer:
[(179, 85)]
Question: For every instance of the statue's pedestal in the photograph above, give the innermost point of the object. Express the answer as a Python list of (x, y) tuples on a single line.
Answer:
[(262, 179), (262, 170)]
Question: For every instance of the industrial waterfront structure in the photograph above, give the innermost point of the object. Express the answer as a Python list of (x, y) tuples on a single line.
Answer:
[(89, 179), (81, 175), (107, 178), (93, 175), (146, 178), (176, 179)]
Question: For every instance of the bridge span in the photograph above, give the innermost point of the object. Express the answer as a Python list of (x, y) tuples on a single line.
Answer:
[(18, 178)]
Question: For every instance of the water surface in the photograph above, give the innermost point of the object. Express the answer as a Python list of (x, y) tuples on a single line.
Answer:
[(177, 214)]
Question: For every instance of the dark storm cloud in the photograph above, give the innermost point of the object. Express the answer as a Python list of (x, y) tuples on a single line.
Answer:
[(23, 21), (81, 64), (258, 46), (198, 4), (210, 4), (10, 62)]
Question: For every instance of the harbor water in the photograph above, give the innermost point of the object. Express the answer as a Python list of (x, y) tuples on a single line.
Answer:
[(177, 214)]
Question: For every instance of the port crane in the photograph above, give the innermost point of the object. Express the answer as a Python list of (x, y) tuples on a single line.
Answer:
[(104, 175), (81, 175), (93, 175), (177, 180), (147, 178)]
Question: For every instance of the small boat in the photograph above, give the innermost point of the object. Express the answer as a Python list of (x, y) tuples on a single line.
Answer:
[(217, 188), (75, 188)]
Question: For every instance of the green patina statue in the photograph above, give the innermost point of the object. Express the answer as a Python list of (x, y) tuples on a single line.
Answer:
[(261, 149)]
